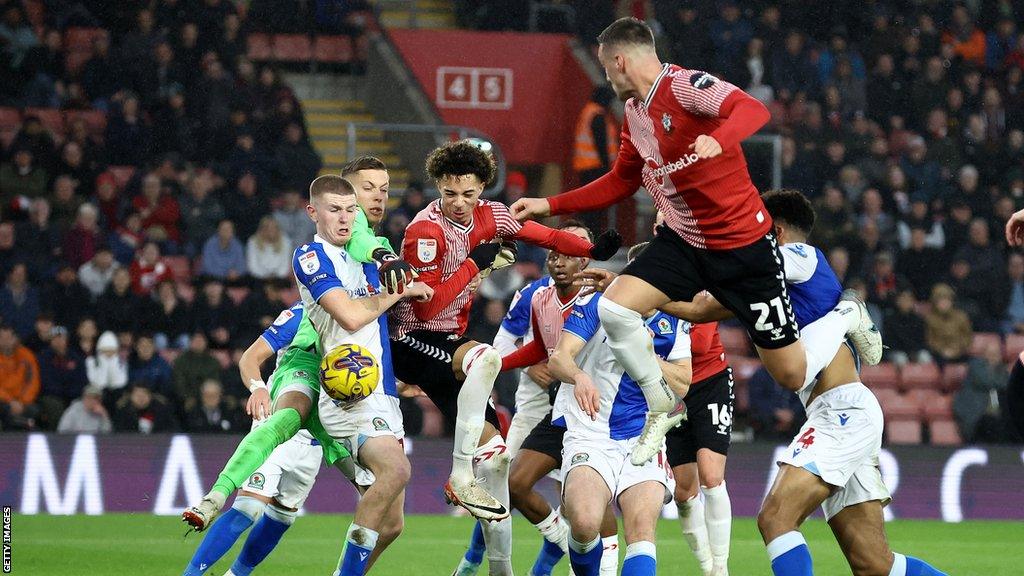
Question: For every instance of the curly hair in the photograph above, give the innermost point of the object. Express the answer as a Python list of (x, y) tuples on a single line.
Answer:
[(461, 158), (791, 207)]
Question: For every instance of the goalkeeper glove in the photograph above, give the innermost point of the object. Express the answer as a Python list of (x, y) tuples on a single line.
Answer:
[(395, 273), (505, 258), (484, 255), (606, 245)]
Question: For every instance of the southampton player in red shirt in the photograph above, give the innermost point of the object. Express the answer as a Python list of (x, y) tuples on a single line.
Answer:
[(680, 140), (450, 242)]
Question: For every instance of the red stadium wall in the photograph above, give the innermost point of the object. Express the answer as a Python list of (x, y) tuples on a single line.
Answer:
[(523, 90)]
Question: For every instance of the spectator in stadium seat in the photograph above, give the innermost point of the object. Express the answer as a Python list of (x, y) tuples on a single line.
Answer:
[(231, 44), (174, 129), (86, 415), (268, 252), (224, 255), (84, 237), (21, 177), (213, 413), (1013, 321), (96, 274), (948, 331), (967, 40), (904, 332), (839, 260), (19, 300), (16, 35), (928, 90), (159, 210), (292, 217), (39, 339), (835, 220), (148, 366), (688, 33), (106, 369), (193, 367), (128, 136), (922, 173), (62, 376), (884, 284), (108, 199), (148, 270), (19, 382), (73, 163), (215, 314), (127, 239), (296, 162), (65, 297), (920, 264), (774, 412), (730, 33), (142, 411), (920, 217), (792, 70), (85, 336), (167, 317), (136, 45), (201, 211), (977, 405), (65, 204), (246, 205), (100, 74), (986, 258), (9, 252)]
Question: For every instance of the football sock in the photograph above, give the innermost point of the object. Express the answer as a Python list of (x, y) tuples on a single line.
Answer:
[(492, 468), (254, 449), (718, 516), (555, 531), (262, 539), (481, 366), (823, 337), (221, 536), (695, 531), (910, 566), (477, 547), (610, 555), (359, 544), (630, 342), (585, 557), (641, 559), (790, 556)]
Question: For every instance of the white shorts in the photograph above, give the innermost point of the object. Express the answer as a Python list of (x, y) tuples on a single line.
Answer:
[(352, 424), (610, 458), (840, 443), (289, 472), (532, 405)]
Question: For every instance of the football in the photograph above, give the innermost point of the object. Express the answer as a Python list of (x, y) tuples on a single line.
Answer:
[(349, 373)]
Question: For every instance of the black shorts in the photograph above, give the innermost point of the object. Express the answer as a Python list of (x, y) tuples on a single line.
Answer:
[(424, 358), (748, 281), (708, 423), (546, 438)]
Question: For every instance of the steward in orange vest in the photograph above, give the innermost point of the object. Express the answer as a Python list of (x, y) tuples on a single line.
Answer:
[(597, 137)]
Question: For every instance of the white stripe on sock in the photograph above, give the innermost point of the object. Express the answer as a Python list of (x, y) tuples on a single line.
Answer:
[(784, 544)]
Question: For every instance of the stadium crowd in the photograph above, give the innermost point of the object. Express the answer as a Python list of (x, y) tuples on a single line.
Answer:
[(133, 239)]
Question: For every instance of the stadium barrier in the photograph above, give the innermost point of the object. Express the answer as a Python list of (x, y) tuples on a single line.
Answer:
[(160, 474)]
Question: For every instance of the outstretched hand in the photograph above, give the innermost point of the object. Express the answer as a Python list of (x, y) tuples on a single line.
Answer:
[(526, 208)]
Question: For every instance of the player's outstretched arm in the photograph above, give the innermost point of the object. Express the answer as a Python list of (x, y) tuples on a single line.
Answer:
[(353, 314), (258, 405), (531, 353)]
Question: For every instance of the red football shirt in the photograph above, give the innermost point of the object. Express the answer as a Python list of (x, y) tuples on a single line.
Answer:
[(711, 203), (707, 350)]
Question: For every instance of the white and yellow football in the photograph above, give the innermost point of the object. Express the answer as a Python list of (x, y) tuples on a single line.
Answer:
[(349, 373)]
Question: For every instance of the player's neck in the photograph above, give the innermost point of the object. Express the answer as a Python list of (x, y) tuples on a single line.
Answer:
[(646, 75), (795, 239), (566, 293)]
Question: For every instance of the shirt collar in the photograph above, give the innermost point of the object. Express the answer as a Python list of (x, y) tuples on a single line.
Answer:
[(654, 87)]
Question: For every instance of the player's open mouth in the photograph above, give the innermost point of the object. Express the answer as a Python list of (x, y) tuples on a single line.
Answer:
[(376, 211)]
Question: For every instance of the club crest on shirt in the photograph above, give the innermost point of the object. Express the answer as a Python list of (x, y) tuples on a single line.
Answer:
[(664, 326), (426, 249), (309, 262), (284, 317), (666, 122)]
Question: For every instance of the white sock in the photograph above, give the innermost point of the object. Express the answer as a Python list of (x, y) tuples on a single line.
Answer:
[(823, 337), (695, 531), (718, 518), (555, 529), (481, 366), (899, 565), (492, 467), (633, 348), (784, 543), (610, 556), (584, 547)]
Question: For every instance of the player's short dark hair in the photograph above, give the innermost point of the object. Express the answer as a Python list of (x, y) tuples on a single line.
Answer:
[(363, 163), (626, 31), (791, 207), (461, 158), (329, 183), (636, 250), (574, 223)]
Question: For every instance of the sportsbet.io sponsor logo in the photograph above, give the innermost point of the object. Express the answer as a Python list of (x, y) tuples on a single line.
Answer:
[(659, 172)]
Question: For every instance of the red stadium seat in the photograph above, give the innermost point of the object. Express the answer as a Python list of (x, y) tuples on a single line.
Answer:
[(1014, 346), (920, 376), (51, 118), (944, 433), (333, 49), (900, 406), (983, 340), (96, 120), (952, 376), (260, 48), (363, 48), (735, 340), (180, 267), (292, 48), (936, 406), (122, 175), (81, 39), (35, 12), (882, 376), (10, 119), (903, 432)]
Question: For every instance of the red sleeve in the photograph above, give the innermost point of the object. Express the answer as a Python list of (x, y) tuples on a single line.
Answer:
[(701, 337), (428, 264), (621, 182), (528, 355), (743, 116), (557, 240)]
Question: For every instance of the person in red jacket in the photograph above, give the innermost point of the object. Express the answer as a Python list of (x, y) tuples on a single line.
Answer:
[(148, 270), (160, 212)]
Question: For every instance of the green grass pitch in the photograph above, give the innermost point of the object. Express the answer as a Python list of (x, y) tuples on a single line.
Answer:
[(142, 545)]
